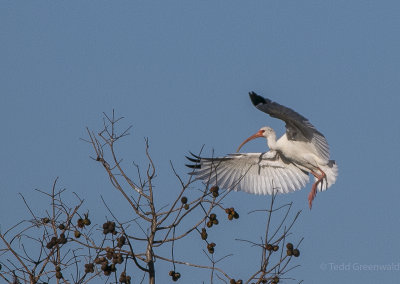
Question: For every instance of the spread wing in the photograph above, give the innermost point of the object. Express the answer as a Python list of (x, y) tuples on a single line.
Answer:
[(297, 126), (258, 173)]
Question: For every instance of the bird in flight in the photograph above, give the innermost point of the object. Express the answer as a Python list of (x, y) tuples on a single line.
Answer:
[(301, 151)]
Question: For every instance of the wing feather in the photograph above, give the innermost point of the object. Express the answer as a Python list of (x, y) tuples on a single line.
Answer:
[(297, 126), (288, 180), (258, 173)]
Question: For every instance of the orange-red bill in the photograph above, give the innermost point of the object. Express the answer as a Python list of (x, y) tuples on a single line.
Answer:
[(259, 134)]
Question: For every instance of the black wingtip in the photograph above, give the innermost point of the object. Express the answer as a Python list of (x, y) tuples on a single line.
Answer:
[(196, 159), (193, 166), (193, 160), (256, 99)]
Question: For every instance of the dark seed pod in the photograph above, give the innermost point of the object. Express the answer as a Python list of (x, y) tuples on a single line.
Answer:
[(58, 268), (121, 241), (186, 206), (215, 222), (215, 188), (276, 279), (230, 217), (113, 268), (109, 227), (104, 266), (204, 234), (184, 200), (89, 267), (52, 243), (239, 281), (61, 226), (77, 234), (122, 277), (45, 220), (99, 260), (209, 224), (270, 247), (232, 281), (125, 278), (62, 240), (289, 246), (210, 247), (80, 223), (213, 216), (289, 252), (59, 275), (87, 222), (235, 215), (296, 252), (171, 272), (215, 194), (275, 248)]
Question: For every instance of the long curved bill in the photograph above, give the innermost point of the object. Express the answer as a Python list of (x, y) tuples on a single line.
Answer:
[(259, 134)]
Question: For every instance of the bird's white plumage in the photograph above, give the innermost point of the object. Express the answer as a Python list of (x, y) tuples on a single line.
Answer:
[(258, 173), (298, 128), (331, 171), (301, 151)]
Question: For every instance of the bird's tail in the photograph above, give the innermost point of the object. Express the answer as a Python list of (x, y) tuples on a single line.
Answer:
[(331, 171)]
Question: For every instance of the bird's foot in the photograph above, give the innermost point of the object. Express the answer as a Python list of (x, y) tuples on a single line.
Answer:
[(312, 195), (313, 191)]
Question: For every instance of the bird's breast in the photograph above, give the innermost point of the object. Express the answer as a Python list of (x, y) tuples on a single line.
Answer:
[(298, 152)]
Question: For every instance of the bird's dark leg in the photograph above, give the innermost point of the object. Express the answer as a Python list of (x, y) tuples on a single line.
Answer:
[(313, 191)]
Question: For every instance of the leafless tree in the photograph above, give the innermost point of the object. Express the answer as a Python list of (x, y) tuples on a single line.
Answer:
[(62, 245)]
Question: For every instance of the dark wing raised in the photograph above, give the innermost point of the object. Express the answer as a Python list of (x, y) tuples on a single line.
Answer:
[(257, 173), (297, 126)]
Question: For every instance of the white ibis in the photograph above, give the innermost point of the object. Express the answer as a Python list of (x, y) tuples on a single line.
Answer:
[(284, 168)]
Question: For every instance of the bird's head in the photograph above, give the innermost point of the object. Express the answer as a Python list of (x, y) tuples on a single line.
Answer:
[(265, 131)]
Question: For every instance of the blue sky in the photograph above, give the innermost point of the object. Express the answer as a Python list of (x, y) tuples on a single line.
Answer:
[(179, 72)]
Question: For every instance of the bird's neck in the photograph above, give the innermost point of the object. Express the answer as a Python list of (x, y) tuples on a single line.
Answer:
[(271, 141)]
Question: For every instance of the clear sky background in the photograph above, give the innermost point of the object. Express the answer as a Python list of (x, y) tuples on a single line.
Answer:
[(179, 72)]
